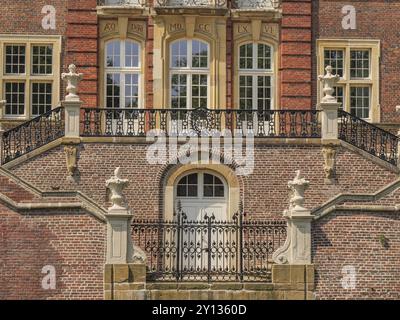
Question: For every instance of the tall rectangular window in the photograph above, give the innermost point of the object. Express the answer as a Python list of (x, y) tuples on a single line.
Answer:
[(29, 75), (357, 63)]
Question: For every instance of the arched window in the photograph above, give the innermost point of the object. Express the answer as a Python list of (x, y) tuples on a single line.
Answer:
[(189, 74), (200, 185), (122, 72), (256, 71)]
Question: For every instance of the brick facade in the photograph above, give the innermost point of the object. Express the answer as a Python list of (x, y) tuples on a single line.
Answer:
[(327, 23), (71, 241), (353, 239), (74, 241)]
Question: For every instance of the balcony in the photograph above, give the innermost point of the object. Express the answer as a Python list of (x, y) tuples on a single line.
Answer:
[(117, 3), (127, 8), (270, 9), (190, 3), (256, 4), (198, 7)]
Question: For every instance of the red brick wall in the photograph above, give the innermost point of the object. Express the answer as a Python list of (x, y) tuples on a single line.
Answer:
[(25, 17), (82, 47), (295, 65), (73, 242), (264, 192), (353, 239), (376, 19)]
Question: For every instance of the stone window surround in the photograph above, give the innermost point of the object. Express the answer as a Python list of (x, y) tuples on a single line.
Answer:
[(255, 72), (189, 71), (346, 82), (27, 77), (122, 70), (140, 70)]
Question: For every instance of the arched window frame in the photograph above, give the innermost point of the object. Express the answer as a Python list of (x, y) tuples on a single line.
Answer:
[(254, 72), (189, 72), (122, 71), (200, 184)]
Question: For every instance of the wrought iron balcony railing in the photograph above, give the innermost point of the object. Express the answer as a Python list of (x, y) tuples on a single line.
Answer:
[(32, 134), (131, 3), (181, 122), (207, 250), (191, 3), (256, 4), (368, 137)]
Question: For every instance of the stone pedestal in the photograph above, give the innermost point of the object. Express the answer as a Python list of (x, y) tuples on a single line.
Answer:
[(119, 244), (297, 247), (329, 121), (72, 115)]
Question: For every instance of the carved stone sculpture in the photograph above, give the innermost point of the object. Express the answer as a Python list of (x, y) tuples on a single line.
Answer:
[(116, 185), (297, 247), (72, 79), (329, 153), (298, 187), (329, 81), (71, 159)]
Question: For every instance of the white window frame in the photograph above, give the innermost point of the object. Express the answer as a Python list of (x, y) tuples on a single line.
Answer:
[(189, 71), (122, 70), (28, 77), (255, 73), (347, 45), (200, 187)]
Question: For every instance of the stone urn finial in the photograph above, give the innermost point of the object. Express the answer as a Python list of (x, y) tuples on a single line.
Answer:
[(329, 80), (72, 79), (116, 185), (298, 186)]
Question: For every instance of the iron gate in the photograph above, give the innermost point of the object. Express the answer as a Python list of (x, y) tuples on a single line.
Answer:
[(209, 250)]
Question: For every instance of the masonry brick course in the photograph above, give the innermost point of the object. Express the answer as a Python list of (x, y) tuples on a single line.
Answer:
[(353, 239), (73, 242)]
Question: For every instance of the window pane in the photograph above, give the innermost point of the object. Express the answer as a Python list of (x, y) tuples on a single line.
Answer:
[(15, 59), (263, 93), (359, 64), (131, 54), (113, 57), (199, 54), (15, 97), (42, 59), (208, 191), (360, 101), (263, 57), (208, 179), (178, 91), (199, 90), (246, 56), (131, 91), (113, 90), (339, 95), (192, 179), (179, 54), (246, 92), (335, 59), (41, 98), (219, 191)]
